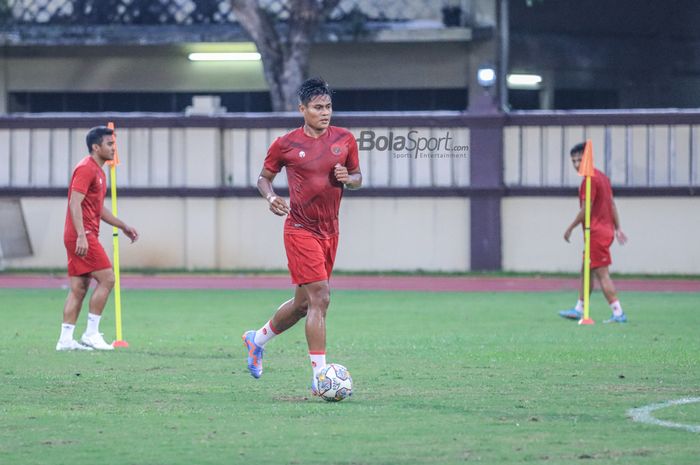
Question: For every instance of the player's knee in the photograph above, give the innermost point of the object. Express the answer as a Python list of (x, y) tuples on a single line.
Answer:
[(107, 280), (79, 290), (301, 308), (321, 299)]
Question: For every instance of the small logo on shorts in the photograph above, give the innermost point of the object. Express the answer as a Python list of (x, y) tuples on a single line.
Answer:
[(302, 154), (265, 331)]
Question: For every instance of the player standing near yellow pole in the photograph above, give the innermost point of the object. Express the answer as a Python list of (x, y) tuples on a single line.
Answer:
[(601, 222), (87, 259), (119, 342)]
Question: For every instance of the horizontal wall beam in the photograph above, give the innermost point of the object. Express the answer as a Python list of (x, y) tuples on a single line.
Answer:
[(366, 192)]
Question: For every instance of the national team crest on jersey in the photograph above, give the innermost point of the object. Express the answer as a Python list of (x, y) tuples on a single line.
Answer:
[(336, 149), (302, 154)]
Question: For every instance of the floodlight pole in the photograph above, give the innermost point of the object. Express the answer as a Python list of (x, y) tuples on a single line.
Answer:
[(503, 52)]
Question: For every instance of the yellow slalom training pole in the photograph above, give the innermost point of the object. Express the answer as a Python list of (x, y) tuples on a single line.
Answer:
[(586, 169), (119, 342)]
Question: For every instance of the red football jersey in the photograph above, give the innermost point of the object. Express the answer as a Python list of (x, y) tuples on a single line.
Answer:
[(314, 193), (89, 179), (602, 219)]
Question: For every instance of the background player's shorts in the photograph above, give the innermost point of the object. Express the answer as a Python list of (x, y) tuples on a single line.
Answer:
[(95, 259), (309, 258), (600, 249)]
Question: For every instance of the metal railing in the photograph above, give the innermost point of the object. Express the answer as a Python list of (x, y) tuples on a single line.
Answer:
[(633, 148), (221, 152)]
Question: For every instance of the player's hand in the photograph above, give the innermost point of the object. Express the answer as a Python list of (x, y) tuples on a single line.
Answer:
[(131, 233), (621, 237), (341, 173), (567, 235), (81, 246), (277, 205)]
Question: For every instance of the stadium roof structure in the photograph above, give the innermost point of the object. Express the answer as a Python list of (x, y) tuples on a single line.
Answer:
[(164, 22)]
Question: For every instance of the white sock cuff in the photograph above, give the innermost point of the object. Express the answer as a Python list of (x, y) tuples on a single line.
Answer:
[(318, 361), (67, 331), (93, 323), (264, 334), (616, 308)]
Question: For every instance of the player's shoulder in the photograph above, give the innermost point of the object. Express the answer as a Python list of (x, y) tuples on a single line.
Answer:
[(292, 135), (601, 177), (86, 165), (290, 138), (84, 162)]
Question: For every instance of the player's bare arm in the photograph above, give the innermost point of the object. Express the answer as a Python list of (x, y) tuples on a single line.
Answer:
[(112, 220), (76, 213), (278, 206), (578, 220), (351, 180), (619, 233)]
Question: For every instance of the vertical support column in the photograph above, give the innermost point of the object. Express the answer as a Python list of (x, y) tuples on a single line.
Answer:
[(3, 83), (485, 52), (486, 176)]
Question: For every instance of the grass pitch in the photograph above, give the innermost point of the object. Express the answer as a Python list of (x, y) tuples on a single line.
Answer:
[(440, 378)]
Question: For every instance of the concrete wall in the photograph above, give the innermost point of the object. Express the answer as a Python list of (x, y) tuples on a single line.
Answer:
[(377, 234), (240, 233), (662, 235)]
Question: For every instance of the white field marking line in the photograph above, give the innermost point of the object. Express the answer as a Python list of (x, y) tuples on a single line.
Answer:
[(643, 414)]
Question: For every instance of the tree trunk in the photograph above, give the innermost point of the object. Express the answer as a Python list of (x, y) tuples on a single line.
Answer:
[(285, 58)]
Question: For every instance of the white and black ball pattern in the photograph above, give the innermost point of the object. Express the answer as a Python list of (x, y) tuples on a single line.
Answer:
[(334, 383)]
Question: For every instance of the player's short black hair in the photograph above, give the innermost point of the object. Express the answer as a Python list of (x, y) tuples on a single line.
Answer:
[(311, 88), (95, 135), (578, 148)]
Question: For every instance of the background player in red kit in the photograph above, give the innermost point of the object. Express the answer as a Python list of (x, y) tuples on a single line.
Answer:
[(86, 257), (605, 226), (320, 160)]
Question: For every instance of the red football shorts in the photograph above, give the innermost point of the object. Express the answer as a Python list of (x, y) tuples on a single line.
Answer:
[(600, 249), (309, 258), (95, 259)]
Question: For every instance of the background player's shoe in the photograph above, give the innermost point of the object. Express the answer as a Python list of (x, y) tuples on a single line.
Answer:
[(571, 314), (96, 341), (617, 319), (255, 354), (71, 344)]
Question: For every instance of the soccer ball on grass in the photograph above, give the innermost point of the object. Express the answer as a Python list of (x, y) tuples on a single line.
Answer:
[(334, 383)]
